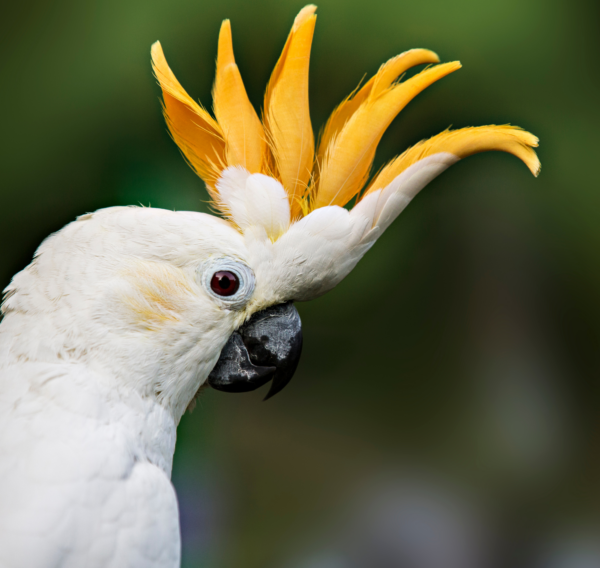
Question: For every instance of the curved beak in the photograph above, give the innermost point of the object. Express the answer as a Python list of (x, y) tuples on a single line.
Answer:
[(267, 347)]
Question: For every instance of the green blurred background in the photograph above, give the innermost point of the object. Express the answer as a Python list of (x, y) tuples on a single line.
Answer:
[(452, 380)]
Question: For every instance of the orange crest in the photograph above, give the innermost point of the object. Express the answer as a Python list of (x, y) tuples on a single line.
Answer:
[(282, 144)]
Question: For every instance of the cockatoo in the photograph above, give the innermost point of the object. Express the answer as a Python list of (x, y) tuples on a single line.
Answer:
[(125, 313)]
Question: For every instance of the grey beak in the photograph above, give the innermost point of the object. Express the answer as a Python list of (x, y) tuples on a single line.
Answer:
[(267, 347)]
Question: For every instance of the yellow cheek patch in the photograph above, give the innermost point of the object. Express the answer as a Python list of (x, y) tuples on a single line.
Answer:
[(158, 294)]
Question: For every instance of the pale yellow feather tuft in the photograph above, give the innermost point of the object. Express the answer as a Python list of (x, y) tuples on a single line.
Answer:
[(158, 294), (196, 133), (349, 156), (244, 135), (286, 112), (463, 143)]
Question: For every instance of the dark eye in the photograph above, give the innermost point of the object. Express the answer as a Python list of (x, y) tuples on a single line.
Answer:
[(224, 283)]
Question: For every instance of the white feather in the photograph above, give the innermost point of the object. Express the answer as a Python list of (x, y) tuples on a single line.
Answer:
[(255, 200), (400, 192)]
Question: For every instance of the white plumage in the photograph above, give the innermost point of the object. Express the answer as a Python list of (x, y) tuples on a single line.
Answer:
[(107, 335)]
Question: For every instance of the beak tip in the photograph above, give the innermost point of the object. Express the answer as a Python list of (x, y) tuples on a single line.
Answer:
[(276, 387)]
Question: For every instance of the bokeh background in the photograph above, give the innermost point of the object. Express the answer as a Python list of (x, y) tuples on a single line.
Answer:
[(446, 411)]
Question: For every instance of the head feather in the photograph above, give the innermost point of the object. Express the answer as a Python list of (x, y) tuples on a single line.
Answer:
[(349, 156), (461, 144), (245, 142), (287, 114), (197, 134), (386, 75), (282, 146)]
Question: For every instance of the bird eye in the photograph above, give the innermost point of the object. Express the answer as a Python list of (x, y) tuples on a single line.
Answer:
[(229, 281), (224, 283)]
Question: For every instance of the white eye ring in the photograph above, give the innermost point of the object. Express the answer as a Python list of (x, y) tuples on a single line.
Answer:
[(244, 274)]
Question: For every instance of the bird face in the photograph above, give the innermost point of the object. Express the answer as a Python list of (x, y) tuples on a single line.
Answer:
[(171, 300)]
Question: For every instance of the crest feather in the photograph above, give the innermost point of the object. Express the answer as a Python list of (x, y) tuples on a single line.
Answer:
[(242, 130), (350, 154), (386, 75), (197, 134), (287, 114), (282, 146), (463, 143)]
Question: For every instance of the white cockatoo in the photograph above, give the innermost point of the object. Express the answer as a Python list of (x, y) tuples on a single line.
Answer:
[(124, 314)]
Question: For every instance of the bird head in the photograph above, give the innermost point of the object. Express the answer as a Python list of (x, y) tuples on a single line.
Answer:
[(189, 298)]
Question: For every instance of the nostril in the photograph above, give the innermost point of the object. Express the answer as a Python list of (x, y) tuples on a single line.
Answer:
[(257, 349)]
